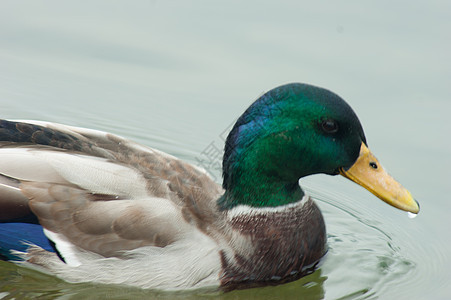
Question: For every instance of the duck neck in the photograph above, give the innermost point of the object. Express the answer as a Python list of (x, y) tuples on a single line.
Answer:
[(257, 190), (262, 173)]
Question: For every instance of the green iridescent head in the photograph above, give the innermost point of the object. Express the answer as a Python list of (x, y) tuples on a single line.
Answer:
[(290, 132)]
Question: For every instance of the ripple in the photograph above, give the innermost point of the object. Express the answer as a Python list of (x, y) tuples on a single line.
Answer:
[(366, 254)]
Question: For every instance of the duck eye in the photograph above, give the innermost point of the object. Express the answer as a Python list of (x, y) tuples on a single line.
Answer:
[(329, 126)]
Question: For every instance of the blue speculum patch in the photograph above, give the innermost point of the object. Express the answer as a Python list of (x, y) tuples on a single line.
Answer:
[(17, 236)]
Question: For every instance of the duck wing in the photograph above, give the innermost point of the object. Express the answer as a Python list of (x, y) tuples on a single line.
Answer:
[(97, 191)]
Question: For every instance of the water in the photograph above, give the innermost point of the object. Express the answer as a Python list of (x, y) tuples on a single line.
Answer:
[(174, 76)]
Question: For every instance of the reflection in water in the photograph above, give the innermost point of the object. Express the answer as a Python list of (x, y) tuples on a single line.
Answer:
[(35, 284), (309, 287)]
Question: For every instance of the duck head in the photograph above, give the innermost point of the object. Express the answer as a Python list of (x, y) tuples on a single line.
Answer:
[(293, 131)]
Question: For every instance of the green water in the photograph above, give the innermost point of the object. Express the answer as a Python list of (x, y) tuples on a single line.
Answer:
[(175, 75)]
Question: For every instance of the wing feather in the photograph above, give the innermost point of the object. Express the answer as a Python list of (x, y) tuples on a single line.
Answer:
[(106, 227), (98, 191)]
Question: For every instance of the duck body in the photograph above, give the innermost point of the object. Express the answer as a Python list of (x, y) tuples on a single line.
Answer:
[(108, 210)]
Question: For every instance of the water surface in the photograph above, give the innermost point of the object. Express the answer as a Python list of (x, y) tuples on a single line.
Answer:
[(175, 76)]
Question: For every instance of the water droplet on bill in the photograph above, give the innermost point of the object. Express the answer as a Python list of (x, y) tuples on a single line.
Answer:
[(411, 215)]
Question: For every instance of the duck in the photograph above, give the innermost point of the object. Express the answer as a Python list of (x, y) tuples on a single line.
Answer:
[(90, 206)]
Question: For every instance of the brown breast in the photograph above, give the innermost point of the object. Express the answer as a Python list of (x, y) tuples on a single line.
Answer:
[(286, 246)]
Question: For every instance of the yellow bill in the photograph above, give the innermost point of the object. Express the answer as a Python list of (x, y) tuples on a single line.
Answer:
[(369, 173)]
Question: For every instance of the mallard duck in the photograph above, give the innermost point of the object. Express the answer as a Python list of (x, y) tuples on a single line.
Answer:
[(87, 205)]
